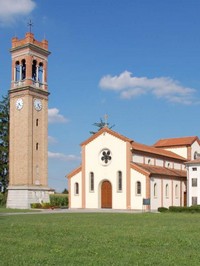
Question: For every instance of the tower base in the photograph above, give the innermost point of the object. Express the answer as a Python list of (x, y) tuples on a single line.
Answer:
[(21, 197)]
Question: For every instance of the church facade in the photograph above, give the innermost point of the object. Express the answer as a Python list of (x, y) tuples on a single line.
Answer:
[(119, 173)]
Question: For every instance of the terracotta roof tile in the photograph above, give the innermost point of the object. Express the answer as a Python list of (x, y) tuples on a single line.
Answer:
[(196, 161), (150, 149), (161, 171), (184, 141), (74, 172)]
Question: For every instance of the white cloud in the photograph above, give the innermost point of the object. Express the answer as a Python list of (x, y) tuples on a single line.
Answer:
[(62, 157), (164, 87), (55, 117), (52, 140), (10, 10)]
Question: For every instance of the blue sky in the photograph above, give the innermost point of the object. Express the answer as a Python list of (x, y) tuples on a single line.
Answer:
[(136, 60)]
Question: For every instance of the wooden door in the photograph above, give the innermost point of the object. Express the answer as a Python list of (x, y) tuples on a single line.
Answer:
[(106, 195)]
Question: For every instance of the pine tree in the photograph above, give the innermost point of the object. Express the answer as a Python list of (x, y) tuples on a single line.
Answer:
[(4, 143)]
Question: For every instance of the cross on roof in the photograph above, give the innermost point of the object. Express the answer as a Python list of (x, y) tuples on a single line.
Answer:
[(106, 120), (30, 24)]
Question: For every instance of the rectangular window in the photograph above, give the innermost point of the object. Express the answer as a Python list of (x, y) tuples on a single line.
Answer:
[(91, 182), (119, 181), (194, 182), (194, 200), (138, 188), (194, 169), (76, 188)]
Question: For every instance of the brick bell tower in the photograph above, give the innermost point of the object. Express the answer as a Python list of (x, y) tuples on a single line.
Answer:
[(28, 158)]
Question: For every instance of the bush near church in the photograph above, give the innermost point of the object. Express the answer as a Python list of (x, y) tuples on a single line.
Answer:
[(56, 201), (3, 198), (59, 200), (192, 209)]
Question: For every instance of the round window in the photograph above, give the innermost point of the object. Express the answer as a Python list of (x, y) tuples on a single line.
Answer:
[(105, 157)]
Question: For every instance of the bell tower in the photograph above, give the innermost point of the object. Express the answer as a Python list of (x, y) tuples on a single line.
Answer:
[(28, 134)]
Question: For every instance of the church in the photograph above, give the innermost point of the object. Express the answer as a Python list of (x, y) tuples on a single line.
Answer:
[(118, 173)]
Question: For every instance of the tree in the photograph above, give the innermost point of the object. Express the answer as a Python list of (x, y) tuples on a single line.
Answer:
[(65, 191), (101, 125), (4, 143)]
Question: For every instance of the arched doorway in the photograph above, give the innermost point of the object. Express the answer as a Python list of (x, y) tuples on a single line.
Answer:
[(106, 195)]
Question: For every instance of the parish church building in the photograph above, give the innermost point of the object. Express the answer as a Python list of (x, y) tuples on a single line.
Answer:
[(118, 173)]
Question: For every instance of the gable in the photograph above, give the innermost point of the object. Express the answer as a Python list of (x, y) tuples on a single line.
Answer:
[(105, 130)]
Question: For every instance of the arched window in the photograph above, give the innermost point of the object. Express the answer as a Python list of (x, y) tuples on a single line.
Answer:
[(167, 191), (37, 146), (155, 190), (119, 181), (17, 71), (40, 73), (138, 188), (37, 122), (91, 181), (76, 188), (176, 191), (34, 70), (23, 69)]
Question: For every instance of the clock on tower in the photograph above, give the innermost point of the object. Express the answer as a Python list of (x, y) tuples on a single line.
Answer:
[(28, 181)]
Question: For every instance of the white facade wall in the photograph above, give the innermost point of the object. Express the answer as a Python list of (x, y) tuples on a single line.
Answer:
[(167, 197), (195, 148), (176, 193), (168, 164), (193, 191), (155, 198), (177, 166), (159, 162), (76, 200), (182, 151), (149, 160), (137, 158), (108, 172), (137, 200), (167, 193)]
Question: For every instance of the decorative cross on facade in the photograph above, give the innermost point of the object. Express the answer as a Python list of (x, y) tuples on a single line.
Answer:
[(30, 24)]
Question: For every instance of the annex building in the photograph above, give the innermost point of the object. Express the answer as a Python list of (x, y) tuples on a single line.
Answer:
[(117, 172)]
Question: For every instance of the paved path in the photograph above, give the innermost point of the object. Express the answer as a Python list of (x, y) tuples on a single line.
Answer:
[(49, 211)]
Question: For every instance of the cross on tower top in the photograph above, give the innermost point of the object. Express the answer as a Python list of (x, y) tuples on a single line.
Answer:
[(30, 25), (106, 120)]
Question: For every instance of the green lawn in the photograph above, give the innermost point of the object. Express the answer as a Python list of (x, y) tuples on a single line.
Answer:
[(100, 239)]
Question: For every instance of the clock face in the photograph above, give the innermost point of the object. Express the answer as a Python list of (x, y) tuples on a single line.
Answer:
[(37, 104), (19, 104)]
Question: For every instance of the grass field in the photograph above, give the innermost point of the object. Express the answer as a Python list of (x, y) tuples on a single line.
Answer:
[(100, 239)]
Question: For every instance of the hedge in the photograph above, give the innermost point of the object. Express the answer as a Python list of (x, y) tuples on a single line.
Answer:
[(192, 209), (59, 200)]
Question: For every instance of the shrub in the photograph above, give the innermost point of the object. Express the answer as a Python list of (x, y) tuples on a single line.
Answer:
[(56, 200), (162, 209), (177, 209), (46, 205), (59, 200), (36, 205), (192, 209), (3, 199)]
